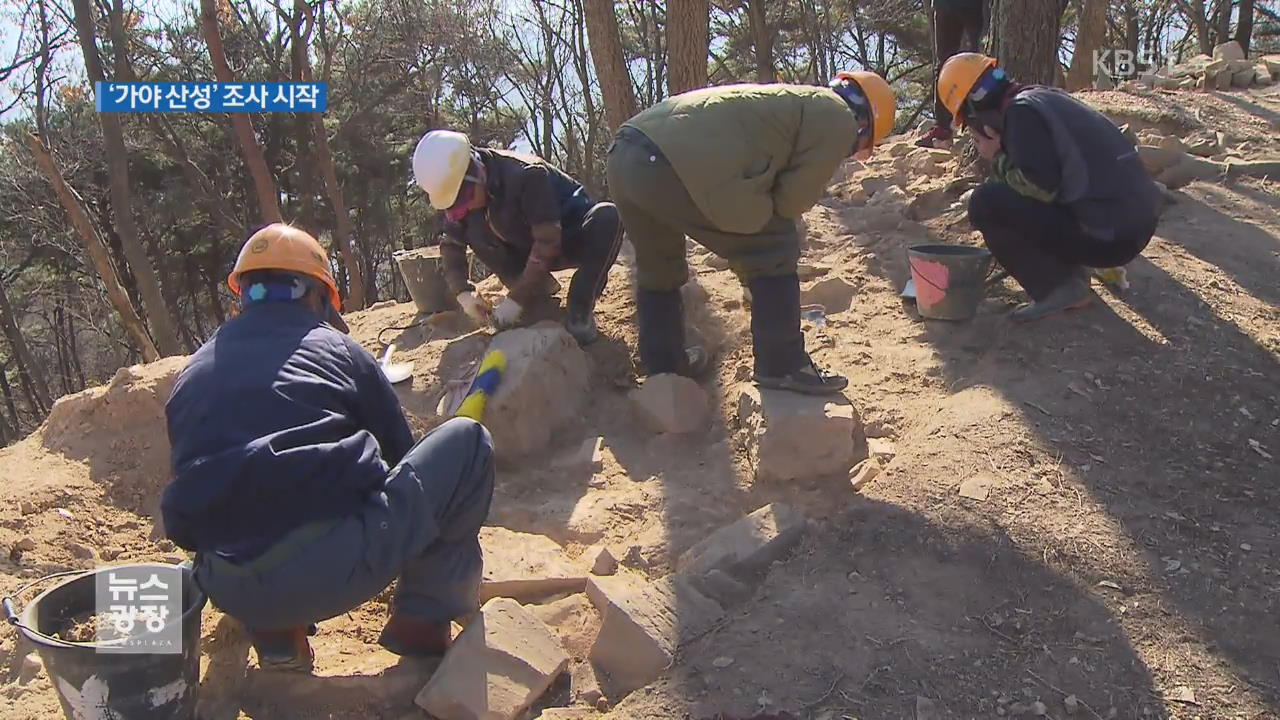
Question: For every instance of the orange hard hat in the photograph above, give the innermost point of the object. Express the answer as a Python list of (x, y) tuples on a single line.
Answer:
[(283, 247), (883, 105), (960, 73)]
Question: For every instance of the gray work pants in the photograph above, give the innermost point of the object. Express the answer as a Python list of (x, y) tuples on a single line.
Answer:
[(422, 528)]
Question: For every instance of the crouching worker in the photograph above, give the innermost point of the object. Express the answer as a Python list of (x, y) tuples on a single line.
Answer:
[(1068, 191), (297, 482), (523, 218), (733, 168)]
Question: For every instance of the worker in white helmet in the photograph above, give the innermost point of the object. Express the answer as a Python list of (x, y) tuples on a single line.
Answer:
[(523, 218)]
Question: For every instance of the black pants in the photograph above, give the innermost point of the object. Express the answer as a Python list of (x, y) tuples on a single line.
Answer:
[(953, 31), (1042, 245), (590, 244)]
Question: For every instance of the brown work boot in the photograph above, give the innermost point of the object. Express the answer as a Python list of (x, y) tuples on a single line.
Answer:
[(283, 649), (404, 635)]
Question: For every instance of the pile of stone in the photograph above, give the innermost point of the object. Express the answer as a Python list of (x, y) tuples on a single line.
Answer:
[(542, 609), (1228, 68)]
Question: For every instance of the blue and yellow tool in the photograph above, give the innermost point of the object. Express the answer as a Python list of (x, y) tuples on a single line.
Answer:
[(485, 384)]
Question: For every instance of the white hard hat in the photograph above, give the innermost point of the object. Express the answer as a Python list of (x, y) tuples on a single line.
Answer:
[(440, 164)]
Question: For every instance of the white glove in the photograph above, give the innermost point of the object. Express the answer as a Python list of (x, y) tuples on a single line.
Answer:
[(507, 314), (475, 307)]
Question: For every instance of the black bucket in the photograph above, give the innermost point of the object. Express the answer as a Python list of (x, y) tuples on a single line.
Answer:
[(95, 680), (950, 280)]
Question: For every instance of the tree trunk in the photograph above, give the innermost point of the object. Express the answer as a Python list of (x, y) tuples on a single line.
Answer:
[(1089, 38), (688, 42), (268, 198), (762, 37), (1028, 38), (10, 403), (28, 371), (1244, 28), (74, 207), (1222, 22), (1195, 13), (610, 64), (162, 325)]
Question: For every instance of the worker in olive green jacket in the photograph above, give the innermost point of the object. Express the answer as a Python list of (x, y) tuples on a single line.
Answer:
[(733, 168)]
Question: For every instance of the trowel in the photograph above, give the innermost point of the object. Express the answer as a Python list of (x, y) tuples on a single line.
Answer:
[(395, 373)]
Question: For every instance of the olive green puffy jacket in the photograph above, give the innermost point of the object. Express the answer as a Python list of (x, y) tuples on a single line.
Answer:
[(748, 152)]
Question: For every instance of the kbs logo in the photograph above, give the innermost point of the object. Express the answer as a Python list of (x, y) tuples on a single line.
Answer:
[(1121, 63)]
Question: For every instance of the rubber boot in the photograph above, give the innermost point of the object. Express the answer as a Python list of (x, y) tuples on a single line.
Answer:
[(1070, 295), (284, 649), (410, 636), (776, 338), (661, 318), (581, 322)]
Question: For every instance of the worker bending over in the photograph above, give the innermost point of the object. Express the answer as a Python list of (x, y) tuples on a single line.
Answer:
[(523, 218), (1068, 191), (957, 25), (297, 482), (733, 167)]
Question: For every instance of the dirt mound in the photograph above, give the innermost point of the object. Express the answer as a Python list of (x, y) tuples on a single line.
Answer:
[(118, 430)]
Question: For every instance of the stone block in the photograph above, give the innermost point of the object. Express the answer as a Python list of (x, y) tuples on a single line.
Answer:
[(525, 567), (671, 403), (792, 436), (543, 390), (748, 545)]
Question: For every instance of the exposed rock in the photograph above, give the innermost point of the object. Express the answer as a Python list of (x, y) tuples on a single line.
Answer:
[(671, 403), (1173, 144), (809, 271), (899, 149), (600, 560), (715, 262), (1272, 62), (543, 389), (500, 664), (1223, 80), (26, 507), (83, 552), (112, 552), (525, 567), (928, 204), (1103, 81), (926, 161), (1228, 51), (721, 587), (882, 449), (793, 436), (584, 686), (1262, 74), (748, 545), (834, 294), (873, 185), (892, 196), (642, 626), (25, 544), (977, 487), (1203, 146), (1158, 159), (864, 472), (1243, 78)]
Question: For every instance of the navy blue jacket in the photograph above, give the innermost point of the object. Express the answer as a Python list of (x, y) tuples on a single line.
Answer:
[(278, 421)]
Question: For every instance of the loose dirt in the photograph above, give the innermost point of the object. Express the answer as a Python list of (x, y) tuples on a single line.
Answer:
[(1126, 554)]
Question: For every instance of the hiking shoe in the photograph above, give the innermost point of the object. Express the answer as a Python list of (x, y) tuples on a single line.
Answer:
[(935, 137), (1070, 295), (414, 637), (284, 649), (582, 330), (810, 380)]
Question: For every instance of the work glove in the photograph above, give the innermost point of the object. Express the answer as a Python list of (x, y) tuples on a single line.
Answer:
[(507, 314), (475, 307)]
